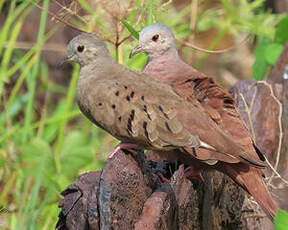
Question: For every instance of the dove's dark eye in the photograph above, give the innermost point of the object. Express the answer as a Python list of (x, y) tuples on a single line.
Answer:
[(155, 38), (80, 49)]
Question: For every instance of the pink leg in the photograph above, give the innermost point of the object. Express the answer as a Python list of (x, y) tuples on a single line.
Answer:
[(163, 178), (127, 146), (192, 173)]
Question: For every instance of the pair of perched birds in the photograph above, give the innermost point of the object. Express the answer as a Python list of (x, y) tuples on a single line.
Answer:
[(170, 108)]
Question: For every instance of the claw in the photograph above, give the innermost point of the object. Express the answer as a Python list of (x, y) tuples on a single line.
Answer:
[(163, 178), (191, 173), (128, 146)]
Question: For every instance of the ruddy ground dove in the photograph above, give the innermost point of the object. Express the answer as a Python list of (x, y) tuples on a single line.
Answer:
[(164, 63)]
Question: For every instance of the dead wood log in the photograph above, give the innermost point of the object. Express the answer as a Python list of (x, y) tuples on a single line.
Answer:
[(126, 194)]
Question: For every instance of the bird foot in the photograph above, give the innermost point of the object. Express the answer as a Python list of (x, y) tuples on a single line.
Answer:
[(163, 178), (191, 173), (128, 146)]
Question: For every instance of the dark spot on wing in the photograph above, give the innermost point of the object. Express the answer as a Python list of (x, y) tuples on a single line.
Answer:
[(260, 155), (129, 126), (100, 104), (132, 114), (145, 110), (113, 106), (189, 80), (229, 101), (127, 98), (194, 152), (167, 126), (252, 163), (161, 109), (125, 87), (119, 118), (145, 129), (142, 98), (132, 94), (117, 93), (130, 119), (197, 82)]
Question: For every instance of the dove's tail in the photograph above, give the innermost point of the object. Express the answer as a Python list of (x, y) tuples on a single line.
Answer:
[(250, 179)]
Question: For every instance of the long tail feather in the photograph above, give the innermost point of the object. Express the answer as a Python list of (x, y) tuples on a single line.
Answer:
[(250, 179)]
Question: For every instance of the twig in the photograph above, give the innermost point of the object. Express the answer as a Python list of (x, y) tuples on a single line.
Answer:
[(193, 16), (185, 43), (71, 11), (248, 114), (248, 110), (69, 24), (165, 4), (124, 39), (280, 126), (46, 47), (58, 18), (129, 8)]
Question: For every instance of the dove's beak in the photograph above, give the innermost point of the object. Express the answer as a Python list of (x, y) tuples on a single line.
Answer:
[(136, 50), (64, 60)]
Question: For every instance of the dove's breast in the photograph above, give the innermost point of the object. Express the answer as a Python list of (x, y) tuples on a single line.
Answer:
[(132, 114)]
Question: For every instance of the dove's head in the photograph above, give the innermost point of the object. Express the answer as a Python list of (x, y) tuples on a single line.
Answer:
[(155, 40), (84, 49)]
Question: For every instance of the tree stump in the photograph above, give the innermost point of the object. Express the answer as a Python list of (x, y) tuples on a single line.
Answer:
[(126, 194)]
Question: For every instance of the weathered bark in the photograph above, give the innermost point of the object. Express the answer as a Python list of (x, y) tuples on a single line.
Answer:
[(126, 194)]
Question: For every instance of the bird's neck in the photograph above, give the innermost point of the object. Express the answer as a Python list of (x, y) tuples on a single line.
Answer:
[(167, 66), (105, 62), (170, 53), (96, 69)]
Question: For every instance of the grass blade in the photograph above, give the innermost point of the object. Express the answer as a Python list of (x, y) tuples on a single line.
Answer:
[(150, 13), (130, 28)]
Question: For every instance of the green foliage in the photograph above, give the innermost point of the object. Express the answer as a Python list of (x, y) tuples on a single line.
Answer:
[(150, 11), (272, 53), (76, 153), (260, 64), (37, 158), (268, 51), (281, 34), (281, 220), (130, 28)]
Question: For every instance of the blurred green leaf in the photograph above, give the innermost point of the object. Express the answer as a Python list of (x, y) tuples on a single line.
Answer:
[(150, 13), (76, 153), (281, 220), (85, 5), (260, 65), (2, 161), (15, 107), (130, 28), (138, 62), (50, 131), (272, 52), (37, 158), (281, 33)]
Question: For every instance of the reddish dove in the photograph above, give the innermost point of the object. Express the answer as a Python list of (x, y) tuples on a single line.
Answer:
[(164, 63)]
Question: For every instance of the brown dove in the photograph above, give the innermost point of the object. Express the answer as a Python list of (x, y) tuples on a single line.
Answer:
[(164, 63)]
